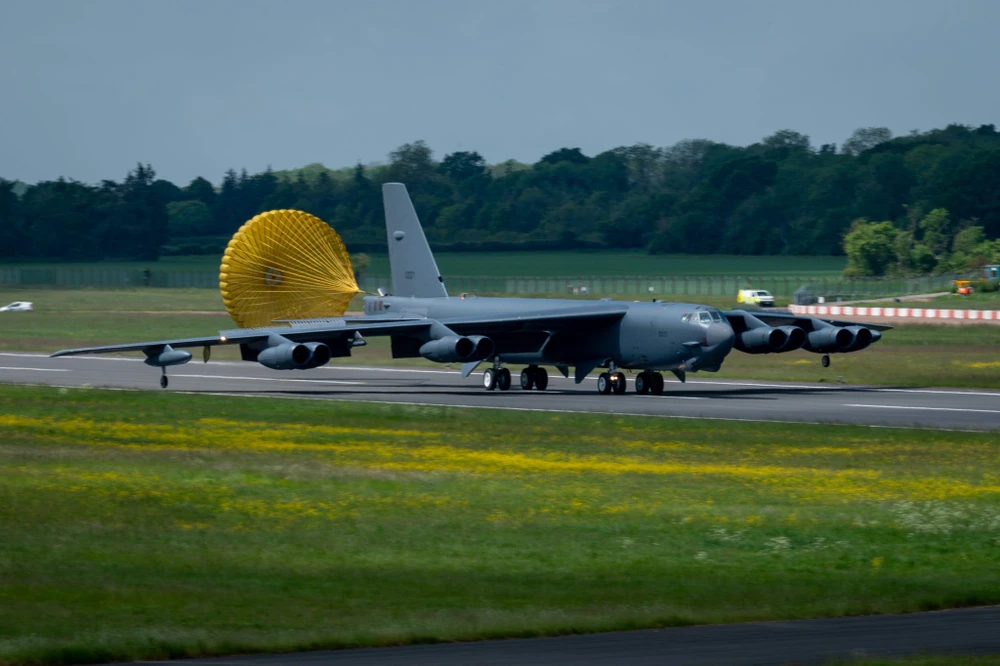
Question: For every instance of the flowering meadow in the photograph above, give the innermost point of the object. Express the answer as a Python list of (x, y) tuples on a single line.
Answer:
[(138, 525)]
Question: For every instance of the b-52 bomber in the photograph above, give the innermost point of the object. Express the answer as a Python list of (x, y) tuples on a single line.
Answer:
[(423, 320)]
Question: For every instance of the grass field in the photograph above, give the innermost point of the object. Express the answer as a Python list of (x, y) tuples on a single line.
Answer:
[(570, 263), (146, 525)]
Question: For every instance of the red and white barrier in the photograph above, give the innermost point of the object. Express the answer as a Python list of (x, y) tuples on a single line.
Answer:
[(905, 313)]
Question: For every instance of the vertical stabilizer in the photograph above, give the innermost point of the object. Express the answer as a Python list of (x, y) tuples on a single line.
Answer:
[(414, 271)]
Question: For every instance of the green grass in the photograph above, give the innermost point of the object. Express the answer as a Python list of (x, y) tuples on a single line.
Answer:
[(147, 525), (569, 263), (977, 301)]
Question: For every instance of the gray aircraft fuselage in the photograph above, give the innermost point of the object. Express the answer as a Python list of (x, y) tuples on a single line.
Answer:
[(649, 336)]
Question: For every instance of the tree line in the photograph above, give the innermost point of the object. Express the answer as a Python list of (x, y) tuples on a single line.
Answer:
[(781, 195)]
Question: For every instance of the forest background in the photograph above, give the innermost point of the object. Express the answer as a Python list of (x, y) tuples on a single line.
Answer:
[(926, 202)]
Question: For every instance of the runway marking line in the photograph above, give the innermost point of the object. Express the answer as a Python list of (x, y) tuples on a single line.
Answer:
[(12, 367), (928, 409), (275, 379)]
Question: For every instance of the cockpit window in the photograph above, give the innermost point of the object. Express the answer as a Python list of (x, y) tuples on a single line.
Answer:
[(716, 316), (704, 317)]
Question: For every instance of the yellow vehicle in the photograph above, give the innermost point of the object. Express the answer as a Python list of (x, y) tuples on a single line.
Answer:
[(964, 287), (755, 297)]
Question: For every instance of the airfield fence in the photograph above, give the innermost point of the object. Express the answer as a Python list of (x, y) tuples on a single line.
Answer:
[(782, 286)]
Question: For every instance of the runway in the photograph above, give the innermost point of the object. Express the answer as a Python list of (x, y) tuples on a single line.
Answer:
[(967, 631), (738, 400)]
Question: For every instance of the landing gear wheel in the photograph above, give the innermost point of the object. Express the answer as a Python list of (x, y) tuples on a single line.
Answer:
[(490, 379), (527, 379), (825, 360), (164, 381), (503, 379), (604, 383), (643, 382), (656, 386), (541, 379), (618, 380)]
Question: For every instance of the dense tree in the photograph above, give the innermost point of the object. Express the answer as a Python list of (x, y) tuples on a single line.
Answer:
[(777, 196)]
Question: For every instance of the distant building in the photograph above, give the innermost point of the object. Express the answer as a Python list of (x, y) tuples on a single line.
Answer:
[(991, 272)]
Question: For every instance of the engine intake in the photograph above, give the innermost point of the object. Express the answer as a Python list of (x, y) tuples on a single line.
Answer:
[(294, 356), (832, 339), (455, 348), (862, 337), (764, 340), (796, 338)]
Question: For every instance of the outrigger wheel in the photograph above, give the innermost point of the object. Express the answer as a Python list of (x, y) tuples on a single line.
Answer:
[(285, 264)]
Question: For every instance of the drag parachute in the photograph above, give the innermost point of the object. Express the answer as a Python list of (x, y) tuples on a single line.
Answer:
[(285, 264)]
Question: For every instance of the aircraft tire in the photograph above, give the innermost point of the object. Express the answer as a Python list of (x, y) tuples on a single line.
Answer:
[(503, 379), (164, 382), (825, 360), (490, 379), (541, 379), (527, 379), (619, 383), (642, 382), (656, 385), (604, 383)]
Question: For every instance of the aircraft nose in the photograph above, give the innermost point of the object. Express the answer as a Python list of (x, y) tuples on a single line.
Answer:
[(720, 338)]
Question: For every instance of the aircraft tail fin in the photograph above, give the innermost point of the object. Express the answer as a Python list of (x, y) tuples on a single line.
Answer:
[(414, 271)]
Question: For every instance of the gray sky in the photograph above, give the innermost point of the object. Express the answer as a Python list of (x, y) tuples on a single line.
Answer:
[(194, 87)]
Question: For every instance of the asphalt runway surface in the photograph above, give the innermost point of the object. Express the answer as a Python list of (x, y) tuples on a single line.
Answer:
[(965, 631), (702, 397)]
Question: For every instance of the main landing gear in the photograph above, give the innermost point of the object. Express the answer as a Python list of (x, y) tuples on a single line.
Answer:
[(496, 378), (611, 381), (825, 360), (534, 377), (649, 382)]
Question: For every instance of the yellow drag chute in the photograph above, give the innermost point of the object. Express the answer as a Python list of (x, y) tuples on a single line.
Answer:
[(285, 264)]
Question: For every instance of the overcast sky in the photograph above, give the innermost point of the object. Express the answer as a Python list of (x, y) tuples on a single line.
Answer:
[(195, 87)]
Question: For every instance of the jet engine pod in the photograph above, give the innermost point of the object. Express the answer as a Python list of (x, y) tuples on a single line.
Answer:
[(453, 348), (287, 356), (763, 340), (484, 348), (319, 355), (832, 339), (167, 356), (862, 337), (796, 338)]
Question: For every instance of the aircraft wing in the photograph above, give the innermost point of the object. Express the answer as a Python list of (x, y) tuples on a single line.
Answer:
[(805, 322), (306, 331), (317, 330)]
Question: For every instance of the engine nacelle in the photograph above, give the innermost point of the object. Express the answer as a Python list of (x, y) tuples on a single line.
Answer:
[(453, 348), (862, 337), (167, 356), (796, 338), (287, 356), (320, 355), (763, 340), (831, 339), (484, 347)]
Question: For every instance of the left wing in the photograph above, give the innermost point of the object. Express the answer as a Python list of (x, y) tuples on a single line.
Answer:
[(313, 330)]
